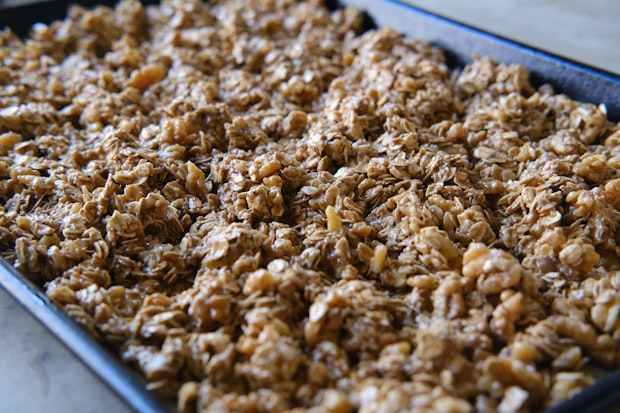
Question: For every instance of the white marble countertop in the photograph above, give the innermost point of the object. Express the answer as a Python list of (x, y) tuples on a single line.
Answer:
[(39, 374)]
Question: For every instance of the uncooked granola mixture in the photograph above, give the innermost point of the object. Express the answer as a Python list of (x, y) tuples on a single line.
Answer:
[(264, 210)]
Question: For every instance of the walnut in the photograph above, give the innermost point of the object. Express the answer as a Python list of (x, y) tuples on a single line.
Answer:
[(145, 77), (494, 270)]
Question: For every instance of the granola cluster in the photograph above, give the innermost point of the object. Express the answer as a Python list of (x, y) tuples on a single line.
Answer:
[(265, 210)]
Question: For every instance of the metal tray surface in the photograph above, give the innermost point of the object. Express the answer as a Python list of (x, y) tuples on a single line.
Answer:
[(459, 43)]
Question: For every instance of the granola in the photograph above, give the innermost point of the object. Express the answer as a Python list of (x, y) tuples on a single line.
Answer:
[(263, 209)]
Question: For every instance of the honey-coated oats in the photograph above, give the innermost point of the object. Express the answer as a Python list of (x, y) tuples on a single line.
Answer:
[(263, 210)]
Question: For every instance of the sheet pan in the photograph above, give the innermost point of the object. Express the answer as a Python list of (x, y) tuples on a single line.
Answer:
[(459, 42)]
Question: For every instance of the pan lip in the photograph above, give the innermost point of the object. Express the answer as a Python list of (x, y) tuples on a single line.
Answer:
[(115, 374), (459, 41), (562, 60)]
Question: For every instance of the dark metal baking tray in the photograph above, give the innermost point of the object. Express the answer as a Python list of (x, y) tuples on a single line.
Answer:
[(458, 41)]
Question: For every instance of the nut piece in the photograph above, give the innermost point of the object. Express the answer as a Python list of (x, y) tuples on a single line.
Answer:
[(493, 269), (334, 223), (144, 78), (605, 313), (578, 254), (377, 262)]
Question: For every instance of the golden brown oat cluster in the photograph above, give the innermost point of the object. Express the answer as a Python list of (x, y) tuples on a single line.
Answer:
[(264, 211)]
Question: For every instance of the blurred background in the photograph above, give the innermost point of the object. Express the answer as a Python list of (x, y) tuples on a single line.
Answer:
[(585, 31), (39, 374)]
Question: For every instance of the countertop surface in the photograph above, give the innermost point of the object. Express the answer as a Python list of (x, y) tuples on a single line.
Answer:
[(38, 374)]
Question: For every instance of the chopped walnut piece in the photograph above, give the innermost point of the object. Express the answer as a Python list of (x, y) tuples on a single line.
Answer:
[(147, 76), (495, 270)]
